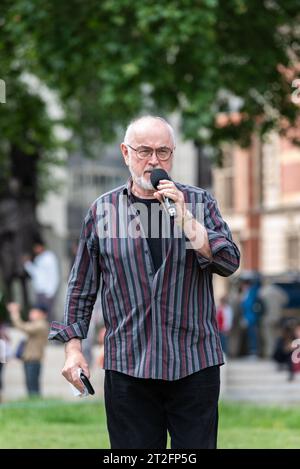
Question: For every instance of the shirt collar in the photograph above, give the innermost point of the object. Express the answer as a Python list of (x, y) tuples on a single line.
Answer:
[(127, 187)]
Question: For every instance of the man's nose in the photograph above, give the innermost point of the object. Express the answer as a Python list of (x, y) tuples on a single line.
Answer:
[(153, 160)]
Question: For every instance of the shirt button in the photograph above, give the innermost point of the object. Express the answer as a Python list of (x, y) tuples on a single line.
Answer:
[(146, 252)]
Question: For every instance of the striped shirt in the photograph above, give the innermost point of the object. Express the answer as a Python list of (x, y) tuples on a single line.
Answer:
[(159, 325)]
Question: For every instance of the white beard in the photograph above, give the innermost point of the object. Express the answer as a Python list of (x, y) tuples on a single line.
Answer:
[(140, 181)]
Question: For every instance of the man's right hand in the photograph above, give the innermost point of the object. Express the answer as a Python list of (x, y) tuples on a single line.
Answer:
[(74, 360)]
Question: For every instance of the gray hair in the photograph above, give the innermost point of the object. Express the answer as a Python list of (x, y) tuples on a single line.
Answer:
[(135, 121)]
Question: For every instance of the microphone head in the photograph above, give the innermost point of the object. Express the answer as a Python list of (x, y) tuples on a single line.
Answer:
[(157, 175)]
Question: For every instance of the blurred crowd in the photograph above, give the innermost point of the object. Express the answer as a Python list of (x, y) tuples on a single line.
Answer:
[(255, 322), (44, 272)]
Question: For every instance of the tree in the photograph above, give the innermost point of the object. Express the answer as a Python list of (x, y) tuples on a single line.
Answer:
[(27, 147), (111, 59), (225, 66)]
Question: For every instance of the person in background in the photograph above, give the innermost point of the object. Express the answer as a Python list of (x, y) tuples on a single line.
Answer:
[(224, 318), (295, 367), (44, 273), (285, 346), (4, 341), (275, 298), (36, 329), (251, 315), (235, 344)]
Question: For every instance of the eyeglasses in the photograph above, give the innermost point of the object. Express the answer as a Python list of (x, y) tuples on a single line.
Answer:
[(162, 153)]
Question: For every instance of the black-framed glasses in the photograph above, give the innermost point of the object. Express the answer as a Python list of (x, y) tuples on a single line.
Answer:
[(162, 153)]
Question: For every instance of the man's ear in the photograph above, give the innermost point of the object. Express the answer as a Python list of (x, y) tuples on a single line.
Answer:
[(124, 150)]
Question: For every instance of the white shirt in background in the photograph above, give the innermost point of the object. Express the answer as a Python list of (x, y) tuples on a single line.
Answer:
[(44, 273)]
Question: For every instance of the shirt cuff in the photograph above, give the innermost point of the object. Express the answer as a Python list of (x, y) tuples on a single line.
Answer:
[(216, 242), (65, 332)]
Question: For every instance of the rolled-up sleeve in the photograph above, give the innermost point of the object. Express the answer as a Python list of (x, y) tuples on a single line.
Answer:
[(83, 286), (225, 254)]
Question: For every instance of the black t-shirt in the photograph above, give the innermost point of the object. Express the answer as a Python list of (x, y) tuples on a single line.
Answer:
[(151, 219)]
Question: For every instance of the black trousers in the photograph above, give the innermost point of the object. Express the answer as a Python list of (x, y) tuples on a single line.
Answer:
[(140, 411)]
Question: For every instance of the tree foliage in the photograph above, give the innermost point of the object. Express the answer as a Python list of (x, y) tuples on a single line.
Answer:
[(27, 143), (112, 59)]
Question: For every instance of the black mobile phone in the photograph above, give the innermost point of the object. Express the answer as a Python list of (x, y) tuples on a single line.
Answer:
[(87, 383)]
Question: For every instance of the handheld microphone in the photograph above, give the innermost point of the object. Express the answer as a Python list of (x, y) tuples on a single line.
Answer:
[(156, 176)]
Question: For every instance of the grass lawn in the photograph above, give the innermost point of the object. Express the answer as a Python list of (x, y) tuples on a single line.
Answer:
[(57, 424), (53, 424), (248, 426)]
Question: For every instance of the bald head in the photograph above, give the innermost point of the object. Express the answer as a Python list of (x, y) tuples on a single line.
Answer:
[(152, 133), (142, 126)]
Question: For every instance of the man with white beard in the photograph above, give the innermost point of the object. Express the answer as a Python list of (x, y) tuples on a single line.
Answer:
[(162, 349)]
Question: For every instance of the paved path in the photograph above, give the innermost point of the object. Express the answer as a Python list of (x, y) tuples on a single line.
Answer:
[(260, 382)]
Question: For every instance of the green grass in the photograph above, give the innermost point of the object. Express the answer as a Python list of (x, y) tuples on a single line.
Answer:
[(57, 424), (248, 426), (53, 424)]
